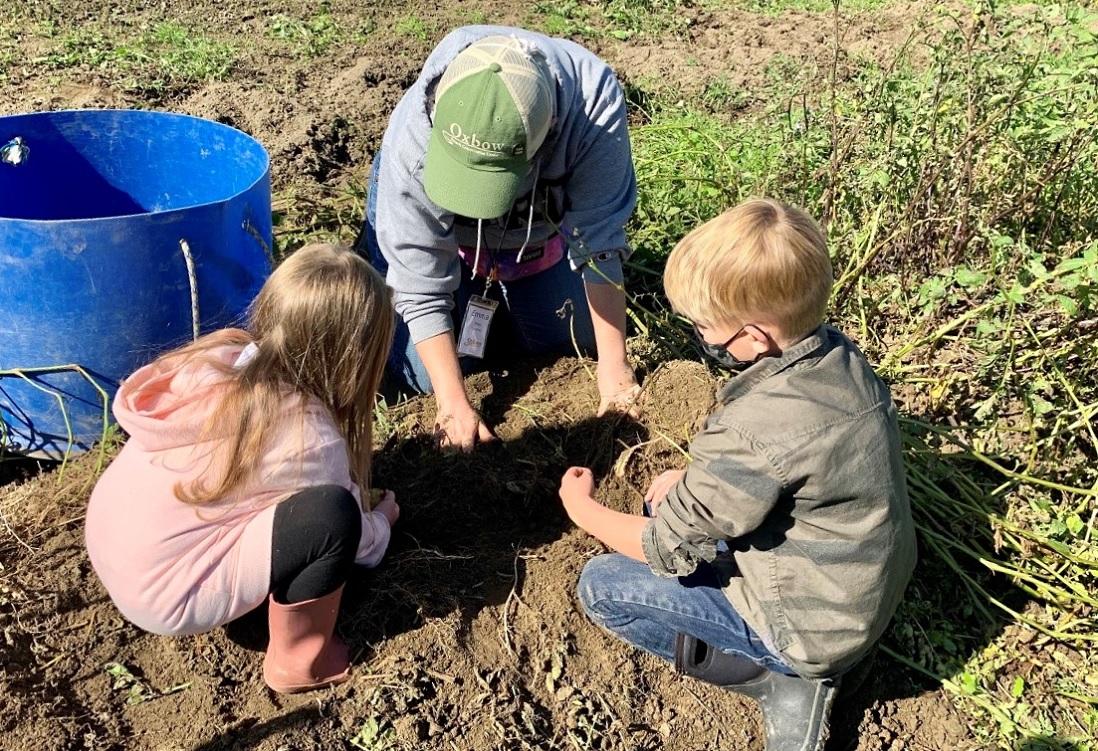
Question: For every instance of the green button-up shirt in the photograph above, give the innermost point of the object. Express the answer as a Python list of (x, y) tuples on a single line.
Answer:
[(800, 471)]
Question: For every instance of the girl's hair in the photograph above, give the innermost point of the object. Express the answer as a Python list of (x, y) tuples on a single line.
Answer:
[(322, 325), (762, 260)]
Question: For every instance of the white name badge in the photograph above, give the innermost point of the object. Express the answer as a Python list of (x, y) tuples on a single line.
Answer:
[(474, 329)]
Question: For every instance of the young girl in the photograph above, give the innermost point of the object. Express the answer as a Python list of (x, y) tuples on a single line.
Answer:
[(241, 477)]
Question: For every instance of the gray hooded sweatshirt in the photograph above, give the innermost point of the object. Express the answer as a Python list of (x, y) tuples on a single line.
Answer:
[(584, 168)]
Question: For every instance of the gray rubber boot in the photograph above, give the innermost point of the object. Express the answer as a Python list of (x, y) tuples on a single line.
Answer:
[(795, 710)]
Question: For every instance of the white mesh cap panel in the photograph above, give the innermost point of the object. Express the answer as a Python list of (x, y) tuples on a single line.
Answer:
[(523, 72)]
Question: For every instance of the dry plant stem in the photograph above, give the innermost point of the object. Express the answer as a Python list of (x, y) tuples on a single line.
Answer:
[(1050, 363), (14, 536), (833, 85), (840, 153), (1028, 479), (512, 595), (931, 174), (24, 373), (1034, 573)]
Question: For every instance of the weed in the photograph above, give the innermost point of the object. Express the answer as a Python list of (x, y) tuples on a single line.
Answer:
[(372, 737), (167, 57), (306, 38), (619, 19), (414, 27), (563, 18), (182, 55), (137, 691), (629, 18), (722, 96)]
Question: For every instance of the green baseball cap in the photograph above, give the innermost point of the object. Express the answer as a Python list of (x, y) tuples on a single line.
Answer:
[(493, 108)]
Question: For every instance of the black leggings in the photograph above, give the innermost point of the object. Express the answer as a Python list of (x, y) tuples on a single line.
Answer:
[(314, 543)]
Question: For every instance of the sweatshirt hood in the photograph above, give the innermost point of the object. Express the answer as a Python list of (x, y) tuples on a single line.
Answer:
[(166, 404)]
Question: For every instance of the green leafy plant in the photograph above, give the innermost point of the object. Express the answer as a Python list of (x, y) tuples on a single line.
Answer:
[(371, 736), (137, 691), (166, 57), (414, 27), (306, 38)]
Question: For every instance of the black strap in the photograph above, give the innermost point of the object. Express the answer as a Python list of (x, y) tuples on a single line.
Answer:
[(695, 658)]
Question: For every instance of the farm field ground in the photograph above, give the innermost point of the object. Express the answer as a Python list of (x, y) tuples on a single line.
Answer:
[(468, 636)]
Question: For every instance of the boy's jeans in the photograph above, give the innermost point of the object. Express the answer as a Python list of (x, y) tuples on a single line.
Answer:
[(528, 312), (625, 598)]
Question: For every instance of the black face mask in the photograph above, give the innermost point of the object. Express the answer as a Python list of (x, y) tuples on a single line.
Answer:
[(720, 353)]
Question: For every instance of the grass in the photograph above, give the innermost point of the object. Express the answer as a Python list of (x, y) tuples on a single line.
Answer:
[(166, 58), (307, 38), (959, 188), (414, 27), (615, 19)]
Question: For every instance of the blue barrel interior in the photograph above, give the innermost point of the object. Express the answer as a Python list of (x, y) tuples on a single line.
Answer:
[(93, 271)]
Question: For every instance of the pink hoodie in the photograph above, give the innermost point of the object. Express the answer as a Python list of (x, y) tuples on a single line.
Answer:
[(174, 568)]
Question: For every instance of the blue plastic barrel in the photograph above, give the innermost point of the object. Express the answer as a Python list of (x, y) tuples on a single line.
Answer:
[(120, 231)]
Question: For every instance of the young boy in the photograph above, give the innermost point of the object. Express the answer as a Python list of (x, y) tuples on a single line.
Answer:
[(774, 561)]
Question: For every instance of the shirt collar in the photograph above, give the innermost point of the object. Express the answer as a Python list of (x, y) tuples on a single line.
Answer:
[(743, 383)]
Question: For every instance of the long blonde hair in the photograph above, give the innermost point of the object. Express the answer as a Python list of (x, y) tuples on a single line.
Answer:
[(759, 260), (322, 325)]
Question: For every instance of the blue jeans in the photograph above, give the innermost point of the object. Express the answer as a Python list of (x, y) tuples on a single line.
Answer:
[(624, 597), (537, 314)]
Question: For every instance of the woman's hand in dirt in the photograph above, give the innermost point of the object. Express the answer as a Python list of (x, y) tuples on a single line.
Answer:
[(388, 507), (618, 389), (628, 401), (659, 488), (460, 429), (577, 486)]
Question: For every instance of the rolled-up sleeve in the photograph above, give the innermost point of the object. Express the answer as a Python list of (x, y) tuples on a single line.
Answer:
[(728, 490)]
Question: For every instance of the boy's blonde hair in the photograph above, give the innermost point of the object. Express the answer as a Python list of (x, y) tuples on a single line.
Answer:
[(323, 326), (762, 261)]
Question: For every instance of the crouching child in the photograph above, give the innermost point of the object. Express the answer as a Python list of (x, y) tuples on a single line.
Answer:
[(773, 562)]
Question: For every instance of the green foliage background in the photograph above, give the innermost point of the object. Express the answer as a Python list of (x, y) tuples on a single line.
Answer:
[(959, 187)]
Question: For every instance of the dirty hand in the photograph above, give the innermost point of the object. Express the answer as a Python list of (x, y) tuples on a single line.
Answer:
[(461, 428), (387, 506), (619, 390), (659, 488), (576, 485)]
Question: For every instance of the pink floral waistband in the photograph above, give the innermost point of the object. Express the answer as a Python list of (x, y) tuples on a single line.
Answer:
[(537, 257)]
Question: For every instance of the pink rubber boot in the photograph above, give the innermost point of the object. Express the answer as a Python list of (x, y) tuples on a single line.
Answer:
[(304, 653)]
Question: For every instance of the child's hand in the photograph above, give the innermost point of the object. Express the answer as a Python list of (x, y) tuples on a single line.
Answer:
[(659, 488), (375, 538), (388, 507), (375, 496), (577, 484)]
